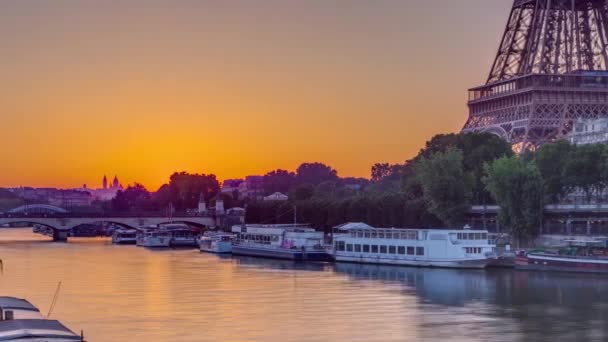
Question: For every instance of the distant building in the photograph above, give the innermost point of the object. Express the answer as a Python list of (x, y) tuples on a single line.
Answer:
[(277, 196), (229, 186), (107, 191), (252, 188), (591, 131), (70, 198)]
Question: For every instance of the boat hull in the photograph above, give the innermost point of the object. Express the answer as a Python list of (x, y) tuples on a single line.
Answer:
[(287, 254), (560, 264), (124, 242), (216, 248), (183, 243), (445, 263)]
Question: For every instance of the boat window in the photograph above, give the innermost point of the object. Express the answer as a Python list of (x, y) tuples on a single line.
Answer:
[(374, 235), (381, 235), (374, 248), (367, 234), (459, 236), (365, 248), (359, 234), (477, 236), (392, 250), (340, 245), (353, 234), (357, 248), (401, 250), (419, 250), (349, 247), (484, 236), (383, 249), (410, 251)]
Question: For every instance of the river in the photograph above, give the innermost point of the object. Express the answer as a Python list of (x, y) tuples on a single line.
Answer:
[(119, 293)]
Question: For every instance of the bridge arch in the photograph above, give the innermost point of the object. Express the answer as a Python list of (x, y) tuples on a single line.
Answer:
[(38, 209), (190, 223)]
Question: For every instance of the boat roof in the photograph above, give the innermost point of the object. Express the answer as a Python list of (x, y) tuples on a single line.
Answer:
[(14, 303), (353, 225), (18, 329), (125, 230)]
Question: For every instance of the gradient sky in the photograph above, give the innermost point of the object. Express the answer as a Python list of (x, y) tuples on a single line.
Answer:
[(142, 88)]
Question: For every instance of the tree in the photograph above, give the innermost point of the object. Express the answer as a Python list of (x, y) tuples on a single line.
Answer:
[(303, 192), (584, 169), (517, 187), (446, 187), (477, 149), (184, 190), (278, 181), (380, 171), (134, 198), (551, 160), (315, 173)]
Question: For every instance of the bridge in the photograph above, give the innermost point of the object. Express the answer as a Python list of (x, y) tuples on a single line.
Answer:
[(63, 222)]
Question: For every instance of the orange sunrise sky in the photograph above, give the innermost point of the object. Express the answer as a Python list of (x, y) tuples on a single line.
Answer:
[(142, 88)]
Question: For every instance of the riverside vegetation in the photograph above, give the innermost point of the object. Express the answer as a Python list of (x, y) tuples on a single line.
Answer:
[(434, 189)]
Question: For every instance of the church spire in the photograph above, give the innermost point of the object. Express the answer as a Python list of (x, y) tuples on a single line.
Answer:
[(105, 182)]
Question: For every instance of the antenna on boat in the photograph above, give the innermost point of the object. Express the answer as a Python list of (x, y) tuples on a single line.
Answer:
[(54, 300), (295, 215)]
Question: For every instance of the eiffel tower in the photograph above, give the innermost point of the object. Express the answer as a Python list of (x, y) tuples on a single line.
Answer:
[(550, 69)]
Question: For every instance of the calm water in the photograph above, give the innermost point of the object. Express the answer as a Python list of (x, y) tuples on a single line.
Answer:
[(117, 293)]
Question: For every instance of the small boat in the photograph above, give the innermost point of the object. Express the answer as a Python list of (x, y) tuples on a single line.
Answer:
[(153, 237), (449, 248), (181, 234), (124, 236), (216, 242), (296, 242), (589, 256), (22, 321)]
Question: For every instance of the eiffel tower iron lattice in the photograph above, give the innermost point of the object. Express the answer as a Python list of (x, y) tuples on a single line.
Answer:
[(550, 68)]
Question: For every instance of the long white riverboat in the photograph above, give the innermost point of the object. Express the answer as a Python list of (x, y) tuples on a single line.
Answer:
[(415, 247)]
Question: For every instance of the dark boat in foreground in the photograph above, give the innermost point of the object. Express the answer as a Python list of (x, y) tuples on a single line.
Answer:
[(590, 256)]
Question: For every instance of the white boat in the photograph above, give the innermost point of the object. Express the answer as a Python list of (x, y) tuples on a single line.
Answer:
[(124, 236), (181, 234), (414, 247), (297, 242), (22, 321), (153, 237), (216, 242)]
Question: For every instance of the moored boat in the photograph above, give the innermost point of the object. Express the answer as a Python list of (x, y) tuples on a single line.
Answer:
[(448, 248), (124, 236), (589, 256), (216, 242), (22, 321), (181, 234), (296, 242), (153, 237)]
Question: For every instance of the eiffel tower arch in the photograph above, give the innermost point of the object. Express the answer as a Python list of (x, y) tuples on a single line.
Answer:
[(550, 69)]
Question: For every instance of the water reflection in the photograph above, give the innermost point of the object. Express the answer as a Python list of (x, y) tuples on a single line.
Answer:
[(120, 293)]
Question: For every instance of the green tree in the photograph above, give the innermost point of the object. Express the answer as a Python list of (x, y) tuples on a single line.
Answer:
[(551, 160), (445, 185), (315, 173), (134, 198), (278, 181), (517, 187), (584, 169)]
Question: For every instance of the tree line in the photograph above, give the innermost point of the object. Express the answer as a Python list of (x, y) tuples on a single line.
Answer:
[(434, 189)]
